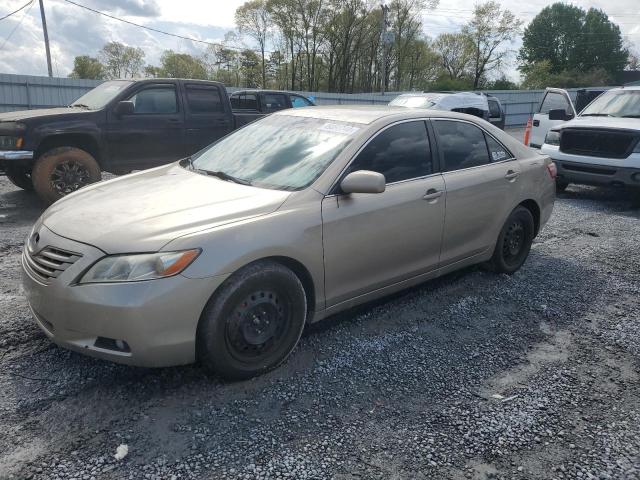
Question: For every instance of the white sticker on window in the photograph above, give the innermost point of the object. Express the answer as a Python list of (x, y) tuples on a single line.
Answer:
[(498, 155)]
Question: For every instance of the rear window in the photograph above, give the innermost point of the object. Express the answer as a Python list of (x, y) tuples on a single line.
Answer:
[(244, 101), (203, 99), (494, 109)]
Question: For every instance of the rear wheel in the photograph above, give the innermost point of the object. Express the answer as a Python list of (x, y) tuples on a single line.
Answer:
[(19, 176), (514, 242), (63, 170), (254, 322)]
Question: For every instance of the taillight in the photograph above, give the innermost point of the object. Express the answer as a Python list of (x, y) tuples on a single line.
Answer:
[(553, 170), (527, 132)]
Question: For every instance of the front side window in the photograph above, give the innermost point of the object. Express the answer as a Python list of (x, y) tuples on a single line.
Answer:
[(555, 101), (399, 152), (462, 145), (202, 99), (274, 102), (279, 151), (298, 101), (155, 100)]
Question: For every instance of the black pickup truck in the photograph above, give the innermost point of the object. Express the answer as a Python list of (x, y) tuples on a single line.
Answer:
[(119, 126), (248, 105)]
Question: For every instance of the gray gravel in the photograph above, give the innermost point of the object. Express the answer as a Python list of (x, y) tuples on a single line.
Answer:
[(471, 376)]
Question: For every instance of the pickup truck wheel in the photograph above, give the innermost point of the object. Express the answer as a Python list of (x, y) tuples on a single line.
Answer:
[(20, 177), (63, 170), (253, 322), (561, 186), (514, 242)]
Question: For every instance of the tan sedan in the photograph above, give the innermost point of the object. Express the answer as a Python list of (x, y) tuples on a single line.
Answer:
[(225, 256)]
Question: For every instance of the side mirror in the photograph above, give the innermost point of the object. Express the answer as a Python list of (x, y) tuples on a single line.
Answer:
[(363, 181), (125, 107), (560, 114)]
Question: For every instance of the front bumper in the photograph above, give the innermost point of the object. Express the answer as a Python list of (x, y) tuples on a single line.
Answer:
[(157, 319), (16, 155), (595, 171)]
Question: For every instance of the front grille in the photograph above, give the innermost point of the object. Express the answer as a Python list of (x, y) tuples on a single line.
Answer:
[(597, 143), (49, 262)]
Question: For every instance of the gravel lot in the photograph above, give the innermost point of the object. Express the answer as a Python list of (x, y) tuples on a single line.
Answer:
[(471, 376)]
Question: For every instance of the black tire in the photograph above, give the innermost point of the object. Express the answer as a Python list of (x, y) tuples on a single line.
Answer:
[(19, 176), (514, 242), (561, 185), (63, 170), (254, 321)]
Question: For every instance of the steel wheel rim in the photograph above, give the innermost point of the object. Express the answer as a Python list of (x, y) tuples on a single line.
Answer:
[(69, 176), (256, 326), (514, 241)]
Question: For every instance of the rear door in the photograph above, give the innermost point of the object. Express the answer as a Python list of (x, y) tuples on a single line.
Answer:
[(554, 98), (207, 118), (153, 134), (481, 180)]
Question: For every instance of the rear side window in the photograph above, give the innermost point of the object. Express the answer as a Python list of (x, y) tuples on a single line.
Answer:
[(244, 101), (274, 102), (203, 99), (158, 100), (462, 145), (298, 101), (554, 101), (494, 109), (497, 151), (399, 153)]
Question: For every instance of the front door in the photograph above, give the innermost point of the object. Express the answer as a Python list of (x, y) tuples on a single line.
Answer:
[(554, 99), (374, 240), (481, 179), (153, 134)]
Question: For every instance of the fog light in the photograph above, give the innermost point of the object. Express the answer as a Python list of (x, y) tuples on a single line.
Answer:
[(112, 344)]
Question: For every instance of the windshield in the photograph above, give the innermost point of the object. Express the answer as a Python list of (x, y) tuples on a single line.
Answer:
[(280, 151), (615, 103), (412, 102), (101, 95)]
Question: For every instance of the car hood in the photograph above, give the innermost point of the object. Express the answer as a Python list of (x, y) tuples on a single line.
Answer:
[(144, 211), (603, 122), (43, 112)]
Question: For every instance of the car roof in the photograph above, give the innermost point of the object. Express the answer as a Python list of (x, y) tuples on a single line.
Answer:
[(257, 90), (367, 114)]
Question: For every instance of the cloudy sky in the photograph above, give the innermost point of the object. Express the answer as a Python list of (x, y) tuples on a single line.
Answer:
[(75, 31)]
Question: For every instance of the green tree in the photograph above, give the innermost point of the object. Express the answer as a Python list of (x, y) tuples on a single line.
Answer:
[(455, 53), (569, 39), (490, 30), (253, 19), (121, 61), (87, 67), (180, 65)]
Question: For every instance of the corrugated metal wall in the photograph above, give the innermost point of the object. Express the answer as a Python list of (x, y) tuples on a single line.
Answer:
[(22, 92)]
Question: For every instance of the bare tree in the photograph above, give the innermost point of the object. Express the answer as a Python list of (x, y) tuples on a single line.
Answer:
[(253, 19), (490, 30)]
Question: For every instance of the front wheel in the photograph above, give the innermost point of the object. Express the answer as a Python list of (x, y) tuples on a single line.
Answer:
[(63, 170), (514, 242), (253, 323), (19, 176)]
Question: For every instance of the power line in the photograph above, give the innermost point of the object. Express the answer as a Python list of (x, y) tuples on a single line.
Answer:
[(183, 37), (16, 11), (17, 25)]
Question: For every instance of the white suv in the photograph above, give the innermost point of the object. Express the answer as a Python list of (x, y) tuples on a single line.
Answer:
[(601, 146)]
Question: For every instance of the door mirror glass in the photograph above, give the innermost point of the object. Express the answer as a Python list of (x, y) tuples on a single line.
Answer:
[(125, 107), (363, 181), (559, 114)]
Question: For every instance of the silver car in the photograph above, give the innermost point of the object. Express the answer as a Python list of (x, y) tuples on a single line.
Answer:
[(225, 256)]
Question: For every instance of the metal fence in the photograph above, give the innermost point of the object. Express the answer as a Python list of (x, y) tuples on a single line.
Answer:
[(23, 92)]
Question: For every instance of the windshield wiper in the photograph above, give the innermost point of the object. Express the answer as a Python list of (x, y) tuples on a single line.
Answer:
[(596, 115), (220, 175), (629, 116), (81, 105)]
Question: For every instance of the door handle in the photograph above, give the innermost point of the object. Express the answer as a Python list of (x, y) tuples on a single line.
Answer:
[(511, 175), (173, 120), (432, 194)]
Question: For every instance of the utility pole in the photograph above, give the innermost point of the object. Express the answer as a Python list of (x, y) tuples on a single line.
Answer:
[(385, 41), (46, 38)]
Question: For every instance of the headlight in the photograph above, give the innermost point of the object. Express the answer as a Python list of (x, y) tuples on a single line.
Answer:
[(143, 266), (552, 138), (10, 142)]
